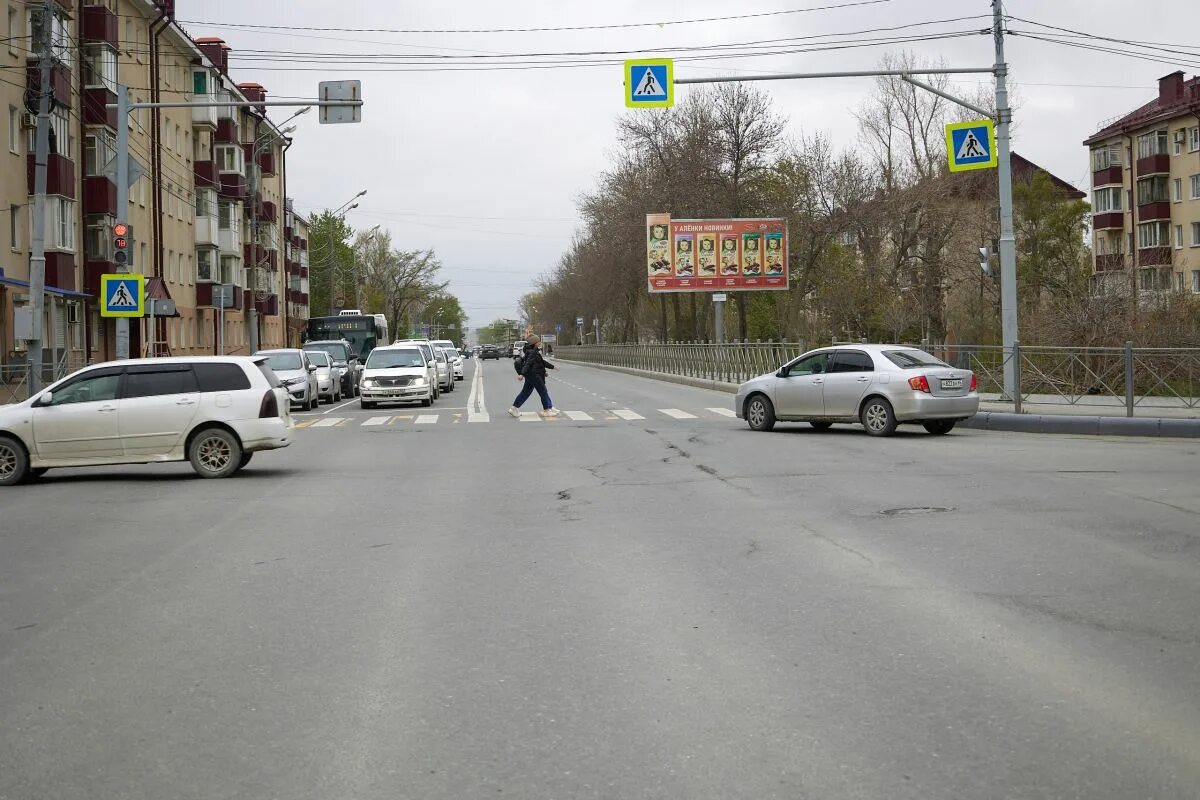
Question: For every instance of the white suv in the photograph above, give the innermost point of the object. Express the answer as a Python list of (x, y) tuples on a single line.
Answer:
[(214, 411)]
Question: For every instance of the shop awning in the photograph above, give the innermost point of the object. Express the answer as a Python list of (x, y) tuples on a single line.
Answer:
[(49, 289)]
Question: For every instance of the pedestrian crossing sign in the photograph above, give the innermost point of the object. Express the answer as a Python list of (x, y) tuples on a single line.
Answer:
[(971, 145), (122, 295), (650, 83)]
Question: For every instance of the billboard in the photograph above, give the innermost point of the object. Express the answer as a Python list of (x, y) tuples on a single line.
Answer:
[(715, 255)]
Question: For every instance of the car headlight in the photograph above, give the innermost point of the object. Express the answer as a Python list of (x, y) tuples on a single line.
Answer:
[(294, 381), (418, 382), (369, 383)]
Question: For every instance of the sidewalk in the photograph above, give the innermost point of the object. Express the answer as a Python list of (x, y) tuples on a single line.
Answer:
[(1094, 405)]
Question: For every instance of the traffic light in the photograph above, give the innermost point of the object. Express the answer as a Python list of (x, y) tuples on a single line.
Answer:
[(985, 259), (122, 234)]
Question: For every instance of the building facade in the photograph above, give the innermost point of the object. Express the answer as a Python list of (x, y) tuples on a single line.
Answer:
[(1146, 194), (210, 227)]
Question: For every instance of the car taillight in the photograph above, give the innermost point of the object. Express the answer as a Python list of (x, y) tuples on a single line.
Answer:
[(919, 383), (974, 382), (269, 407)]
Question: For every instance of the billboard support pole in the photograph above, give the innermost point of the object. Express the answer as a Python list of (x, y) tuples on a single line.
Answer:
[(719, 320)]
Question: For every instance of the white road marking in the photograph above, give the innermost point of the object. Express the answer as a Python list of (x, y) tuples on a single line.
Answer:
[(427, 419), (676, 413), (724, 412), (529, 416), (625, 413), (343, 405), (578, 416), (476, 408), (376, 421), (329, 422)]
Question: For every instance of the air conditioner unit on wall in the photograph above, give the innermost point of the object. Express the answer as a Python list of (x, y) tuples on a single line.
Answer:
[(1179, 136), (29, 120)]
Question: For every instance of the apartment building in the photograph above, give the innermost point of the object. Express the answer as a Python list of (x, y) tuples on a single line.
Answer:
[(1146, 193), (208, 215)]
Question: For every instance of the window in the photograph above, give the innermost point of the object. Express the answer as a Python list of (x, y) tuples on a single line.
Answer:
[(62, 134), (1177, 190), (231, 270), (1196, 234), (98, 150), (130, 44), (1194, 138), (1196, 281), (157, 381), (170, 266), (90, 388), (205, 264), (205, 202), (1179, 281), (200, 82), (178, 140), (14, 227), (143, 262), (229, 158), (851, 361), (1106, 157), (190, 275), (1152, 144), (811, 365), (225, 216), (14, 130), (97, 241), (1152, 190), (60, 223), (14, 30), (1178, 237), (1154, 234), (220, 377), (1154, 279), (100, 67), (1195, 179), (1108, 199), (1178, 141)]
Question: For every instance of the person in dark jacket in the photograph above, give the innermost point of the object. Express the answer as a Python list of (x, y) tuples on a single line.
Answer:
[(532, 370)]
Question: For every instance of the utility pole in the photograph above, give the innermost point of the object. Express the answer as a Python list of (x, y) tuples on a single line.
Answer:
[(37, 249), (122, 323), (252, 311), (1008, 242)]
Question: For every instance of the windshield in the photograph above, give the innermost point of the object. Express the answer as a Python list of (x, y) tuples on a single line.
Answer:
[(336, 350), (913, 359), (283, 361), (392, 359), (320, 359)]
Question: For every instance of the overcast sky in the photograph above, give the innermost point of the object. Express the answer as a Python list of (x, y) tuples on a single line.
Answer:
[(485, 166)]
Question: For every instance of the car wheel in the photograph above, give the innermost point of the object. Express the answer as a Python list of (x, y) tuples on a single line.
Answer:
[(821, 426), (939, 427), (215, 453), (877, 417), (426, 403), (365, 405), (760, 414), (244, 460), (313, 403), (14, 461)]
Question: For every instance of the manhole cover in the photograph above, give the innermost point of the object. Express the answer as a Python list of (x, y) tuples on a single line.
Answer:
[(913, 510)]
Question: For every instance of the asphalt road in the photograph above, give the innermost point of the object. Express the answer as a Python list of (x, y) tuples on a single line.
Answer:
[(610, 607)]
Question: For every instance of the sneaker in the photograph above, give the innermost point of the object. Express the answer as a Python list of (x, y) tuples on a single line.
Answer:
[(513, 411), (550, 412)]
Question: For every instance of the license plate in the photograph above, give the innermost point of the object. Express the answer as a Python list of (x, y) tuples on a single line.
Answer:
[(952, 383)]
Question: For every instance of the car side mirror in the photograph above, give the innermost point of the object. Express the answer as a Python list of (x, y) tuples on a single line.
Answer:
[(46, 399), (782, 373), (312, 367)]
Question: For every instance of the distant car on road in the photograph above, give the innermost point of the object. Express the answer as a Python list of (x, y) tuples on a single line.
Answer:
[(297, 374), (489, 351), (345, 360), (397, 373), (328, 377), (453, 356), (214, 411), (878, 385)]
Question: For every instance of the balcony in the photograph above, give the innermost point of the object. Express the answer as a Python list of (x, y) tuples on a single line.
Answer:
[(1109, 262), (229, 240), (266, 162), (100, 25), (60, 270), (206, 175), (60, 82), (206, 230), (233, 186), (204, 116), (92, 271), (268, 306), (60, 175), (268, 211), (99, 194), (1158, 209), (227, 130), (1151, 165), (1154, 257), (95, 110), (1107, 177), (1109, 220)]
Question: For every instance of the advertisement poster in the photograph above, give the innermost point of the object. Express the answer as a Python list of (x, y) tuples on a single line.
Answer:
[(685, 255), (706, 255), (715, 255)]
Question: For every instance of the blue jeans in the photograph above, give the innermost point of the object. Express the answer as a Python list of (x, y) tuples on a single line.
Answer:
[(534, 383)]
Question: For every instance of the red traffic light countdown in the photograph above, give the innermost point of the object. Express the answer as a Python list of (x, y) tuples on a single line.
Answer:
[(122, 233)]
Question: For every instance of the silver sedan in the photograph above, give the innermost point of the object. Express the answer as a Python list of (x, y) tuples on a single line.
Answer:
[(878, 385)]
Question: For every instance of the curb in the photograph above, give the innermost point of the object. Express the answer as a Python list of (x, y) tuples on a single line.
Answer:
[(984, 420), (1084, 425)]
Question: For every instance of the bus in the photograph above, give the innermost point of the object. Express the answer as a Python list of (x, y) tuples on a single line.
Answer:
[(365, 332)]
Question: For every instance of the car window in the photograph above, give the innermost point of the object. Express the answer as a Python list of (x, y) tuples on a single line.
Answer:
[(851, 361), (88, 389), (284, 361), (154, 382), (391, 359), (913, 359), (336, 350), (220, 377), (815, 364), (441, 355), (321, 359), (427, 350)]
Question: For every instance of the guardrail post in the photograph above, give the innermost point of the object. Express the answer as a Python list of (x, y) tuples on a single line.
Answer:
[(1016, 357), (1129, 379)]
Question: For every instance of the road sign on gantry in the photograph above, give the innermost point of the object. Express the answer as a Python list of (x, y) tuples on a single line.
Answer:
[(340, 91), (122, 295), (650, 83), (971, 145)]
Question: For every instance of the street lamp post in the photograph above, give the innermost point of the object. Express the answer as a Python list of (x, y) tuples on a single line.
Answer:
[(354, 270), (337, 213)]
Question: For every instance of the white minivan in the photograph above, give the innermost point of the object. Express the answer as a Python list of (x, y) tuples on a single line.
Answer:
[(214, 411)]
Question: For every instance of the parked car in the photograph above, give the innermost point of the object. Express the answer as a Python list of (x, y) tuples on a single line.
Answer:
[(214, 411), (488, 351), (453, 356), (445, 370), (518, 348), (296, 373), (426, 349), (396, 373), (328, 385), (345, 360), (879, 385)]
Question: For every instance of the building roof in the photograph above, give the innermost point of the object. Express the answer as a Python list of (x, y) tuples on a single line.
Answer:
[(1023, 170), (1176, 97)]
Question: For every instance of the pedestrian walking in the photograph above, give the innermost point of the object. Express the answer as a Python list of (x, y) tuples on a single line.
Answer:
[(531, 368)]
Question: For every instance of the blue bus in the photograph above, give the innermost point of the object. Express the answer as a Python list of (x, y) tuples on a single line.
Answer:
[(365, 332)]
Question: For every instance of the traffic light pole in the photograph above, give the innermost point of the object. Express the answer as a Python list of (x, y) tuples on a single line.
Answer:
[(122, 339), (37, 247)]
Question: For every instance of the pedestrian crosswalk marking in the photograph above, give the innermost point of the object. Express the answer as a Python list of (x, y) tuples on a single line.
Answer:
[(329, 422), (724, 412), (455, 417), (306, 423), (529, 416), (377, 421), (427, 419), (677, 414), (578, 416), (625, 413)]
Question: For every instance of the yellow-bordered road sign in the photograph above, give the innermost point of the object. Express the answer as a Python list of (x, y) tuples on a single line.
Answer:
[(122, 295), (971, 145), (650, 83)]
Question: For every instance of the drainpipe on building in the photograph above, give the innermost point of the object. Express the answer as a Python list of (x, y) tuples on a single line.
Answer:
[(1133, 237), (286, 302), (156, 167)]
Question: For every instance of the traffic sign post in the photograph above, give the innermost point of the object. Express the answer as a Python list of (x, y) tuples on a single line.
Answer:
[(650, 83), (971, 145), (122, 296)]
